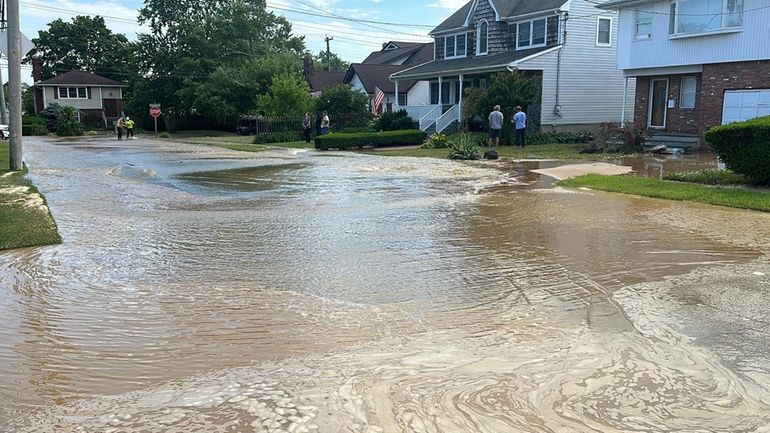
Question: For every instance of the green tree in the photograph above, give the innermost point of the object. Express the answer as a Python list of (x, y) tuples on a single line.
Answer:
[(194, 41), (85, 43), (321, 62), (341, 99), (27, 98), (288, 97), (68, 124)]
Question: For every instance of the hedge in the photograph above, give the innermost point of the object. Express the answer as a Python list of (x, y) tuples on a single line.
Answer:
[(744, 147), (33, 129), (277, 137), (376, 139)]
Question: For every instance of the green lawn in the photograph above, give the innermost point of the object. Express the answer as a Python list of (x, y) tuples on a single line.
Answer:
[(539, 151), (22, 222), (743, 198), (229, 140)]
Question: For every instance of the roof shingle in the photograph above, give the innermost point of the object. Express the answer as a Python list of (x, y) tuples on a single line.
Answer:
[(81, 78)]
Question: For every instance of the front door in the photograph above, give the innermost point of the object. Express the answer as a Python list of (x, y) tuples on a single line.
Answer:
[(112, 107), (658, 100)]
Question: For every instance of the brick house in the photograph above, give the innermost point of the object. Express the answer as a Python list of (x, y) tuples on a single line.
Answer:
[(697, 63)]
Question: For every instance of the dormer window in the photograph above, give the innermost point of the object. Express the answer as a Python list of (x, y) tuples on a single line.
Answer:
[(454, 46), (482, 38), (530, 34)]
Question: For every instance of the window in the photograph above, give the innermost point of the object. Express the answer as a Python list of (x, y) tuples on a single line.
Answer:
[(402, 99), (434, 93), (483, 33), (700, 16), (531, 34), (73, 93), (454, 46), (643, 24), (603, 31), (688, 92)]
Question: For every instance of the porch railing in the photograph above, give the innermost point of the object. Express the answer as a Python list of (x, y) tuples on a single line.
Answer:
[(446, 119), (429, 118)]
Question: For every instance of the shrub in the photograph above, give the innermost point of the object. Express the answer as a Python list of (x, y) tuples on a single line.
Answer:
[(744, 147), (463, 146), (352, 129), (28, 119), (392, 121), (277, 137), (68, 124), (376, 139), (437, 141), (164, 135), (51, 116), (616, 138), (708, 177), (541, 138), (33, 129)]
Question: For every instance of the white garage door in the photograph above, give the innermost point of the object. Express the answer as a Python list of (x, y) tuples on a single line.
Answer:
[(745, 104)]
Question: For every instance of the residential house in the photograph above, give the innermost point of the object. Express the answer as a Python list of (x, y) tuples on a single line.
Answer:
[(697, 63), (375, 70), (95, 97), (319, 80), (564, 44)]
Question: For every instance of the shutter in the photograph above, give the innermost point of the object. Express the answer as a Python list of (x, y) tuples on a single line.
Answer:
[(55, 93), (88, 89)]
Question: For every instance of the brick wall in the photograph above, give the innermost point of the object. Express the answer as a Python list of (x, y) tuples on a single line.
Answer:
[(678, 120)]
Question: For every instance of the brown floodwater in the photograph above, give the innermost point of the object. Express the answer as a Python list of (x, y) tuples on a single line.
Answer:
[(202, 289)]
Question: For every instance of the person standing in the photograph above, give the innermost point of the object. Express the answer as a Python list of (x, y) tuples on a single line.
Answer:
[(325, 124), (306, 127), (129, 128), (520, 119), (495, 126), (120, 125)]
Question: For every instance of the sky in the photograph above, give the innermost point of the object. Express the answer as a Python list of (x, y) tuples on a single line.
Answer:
[(406, 20)]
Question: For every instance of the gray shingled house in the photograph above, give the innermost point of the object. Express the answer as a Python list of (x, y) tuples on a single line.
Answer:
[(566, 44)]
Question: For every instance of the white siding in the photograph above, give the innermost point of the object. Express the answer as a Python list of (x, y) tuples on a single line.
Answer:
[(753, 43), (356, 83), (591, 86), (419, 94), (86, 104)]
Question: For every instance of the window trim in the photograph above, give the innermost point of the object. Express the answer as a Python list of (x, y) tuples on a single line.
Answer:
[(643, 36), (609, 32), (531, 24), (77, 88), (674, 22), (681, 92), (446, 46), (478, 38)]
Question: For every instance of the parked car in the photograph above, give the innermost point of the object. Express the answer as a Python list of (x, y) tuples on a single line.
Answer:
[(246, 127), (4, 132)]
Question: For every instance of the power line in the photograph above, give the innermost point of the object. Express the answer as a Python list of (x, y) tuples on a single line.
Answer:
[(357, 20)]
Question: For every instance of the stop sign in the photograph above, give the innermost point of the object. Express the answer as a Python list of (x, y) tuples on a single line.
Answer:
[(155, 111)]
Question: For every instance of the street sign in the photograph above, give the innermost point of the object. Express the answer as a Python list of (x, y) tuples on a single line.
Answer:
[(155, 110)]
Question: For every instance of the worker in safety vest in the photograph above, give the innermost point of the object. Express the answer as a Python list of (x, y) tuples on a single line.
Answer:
[(129, 128)]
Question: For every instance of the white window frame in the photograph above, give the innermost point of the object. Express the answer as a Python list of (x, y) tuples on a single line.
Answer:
[(446, 47), (722, 27), (694, 92), (58, 90), (609, 32), (478, 38), (643, 36), (531, 24)]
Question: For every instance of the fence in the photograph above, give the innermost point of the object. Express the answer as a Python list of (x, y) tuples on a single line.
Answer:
[(270, 125)]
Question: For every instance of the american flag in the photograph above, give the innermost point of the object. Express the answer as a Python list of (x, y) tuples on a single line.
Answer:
[(379, 95)]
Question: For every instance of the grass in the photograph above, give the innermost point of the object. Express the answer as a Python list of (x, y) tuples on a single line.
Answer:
[(538, 151), (732, 197), (229, 140), (709, 176), (22, 224)]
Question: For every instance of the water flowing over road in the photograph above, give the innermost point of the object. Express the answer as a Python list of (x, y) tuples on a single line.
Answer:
[(203, 289)]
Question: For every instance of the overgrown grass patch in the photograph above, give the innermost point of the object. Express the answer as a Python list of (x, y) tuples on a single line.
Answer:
[(732, 197), (709, 176), (24, 219), (565, 151)]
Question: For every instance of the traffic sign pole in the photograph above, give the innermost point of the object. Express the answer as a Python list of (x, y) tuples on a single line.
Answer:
[(155, 113)]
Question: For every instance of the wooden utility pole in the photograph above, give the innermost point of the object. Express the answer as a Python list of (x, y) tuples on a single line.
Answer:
[(3, 112), (328, 53), (14, 85)]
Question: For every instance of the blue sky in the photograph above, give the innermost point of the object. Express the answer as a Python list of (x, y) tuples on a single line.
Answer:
[(353, 41)]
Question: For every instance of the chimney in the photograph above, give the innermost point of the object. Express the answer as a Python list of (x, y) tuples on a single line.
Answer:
[(37, 70), (308, 64)]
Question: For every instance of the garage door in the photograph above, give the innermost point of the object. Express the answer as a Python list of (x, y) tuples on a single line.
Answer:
[(745, 104)]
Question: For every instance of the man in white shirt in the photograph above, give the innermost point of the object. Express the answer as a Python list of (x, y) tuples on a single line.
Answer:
[(520, 119), (495, 126)]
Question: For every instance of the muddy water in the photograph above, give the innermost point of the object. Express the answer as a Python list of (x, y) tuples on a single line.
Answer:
[(200, 289)]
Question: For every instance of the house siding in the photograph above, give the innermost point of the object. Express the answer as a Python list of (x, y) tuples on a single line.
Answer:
[(590, 87), (419, 94), (753, 43), (497, 38), (92, 103)]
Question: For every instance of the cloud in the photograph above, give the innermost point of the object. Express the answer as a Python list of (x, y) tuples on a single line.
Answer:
[(118, 17)]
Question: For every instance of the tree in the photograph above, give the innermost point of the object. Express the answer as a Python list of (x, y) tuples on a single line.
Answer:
[(85, 43), (341, 99), (192, 42), (27, 98), (321, 62), (289, 96)]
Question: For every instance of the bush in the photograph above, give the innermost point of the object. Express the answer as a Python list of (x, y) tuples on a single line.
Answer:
[(541, 138), (28, 119), (708, 177), (68, 124), (393, 121), (437, 141), (164, 135), (744, 147), (463, 146), (352, 129), (33, 129), (51, 116), (277, 137), (376, 139)]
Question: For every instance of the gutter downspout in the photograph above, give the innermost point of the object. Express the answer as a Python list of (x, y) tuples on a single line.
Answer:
[(563, 37)]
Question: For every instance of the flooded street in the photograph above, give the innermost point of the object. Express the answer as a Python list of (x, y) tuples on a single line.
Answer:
[(200, 289)]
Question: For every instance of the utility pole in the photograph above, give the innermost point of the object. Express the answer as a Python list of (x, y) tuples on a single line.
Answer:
[(14, 84), (328, 53), (3, 113)]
